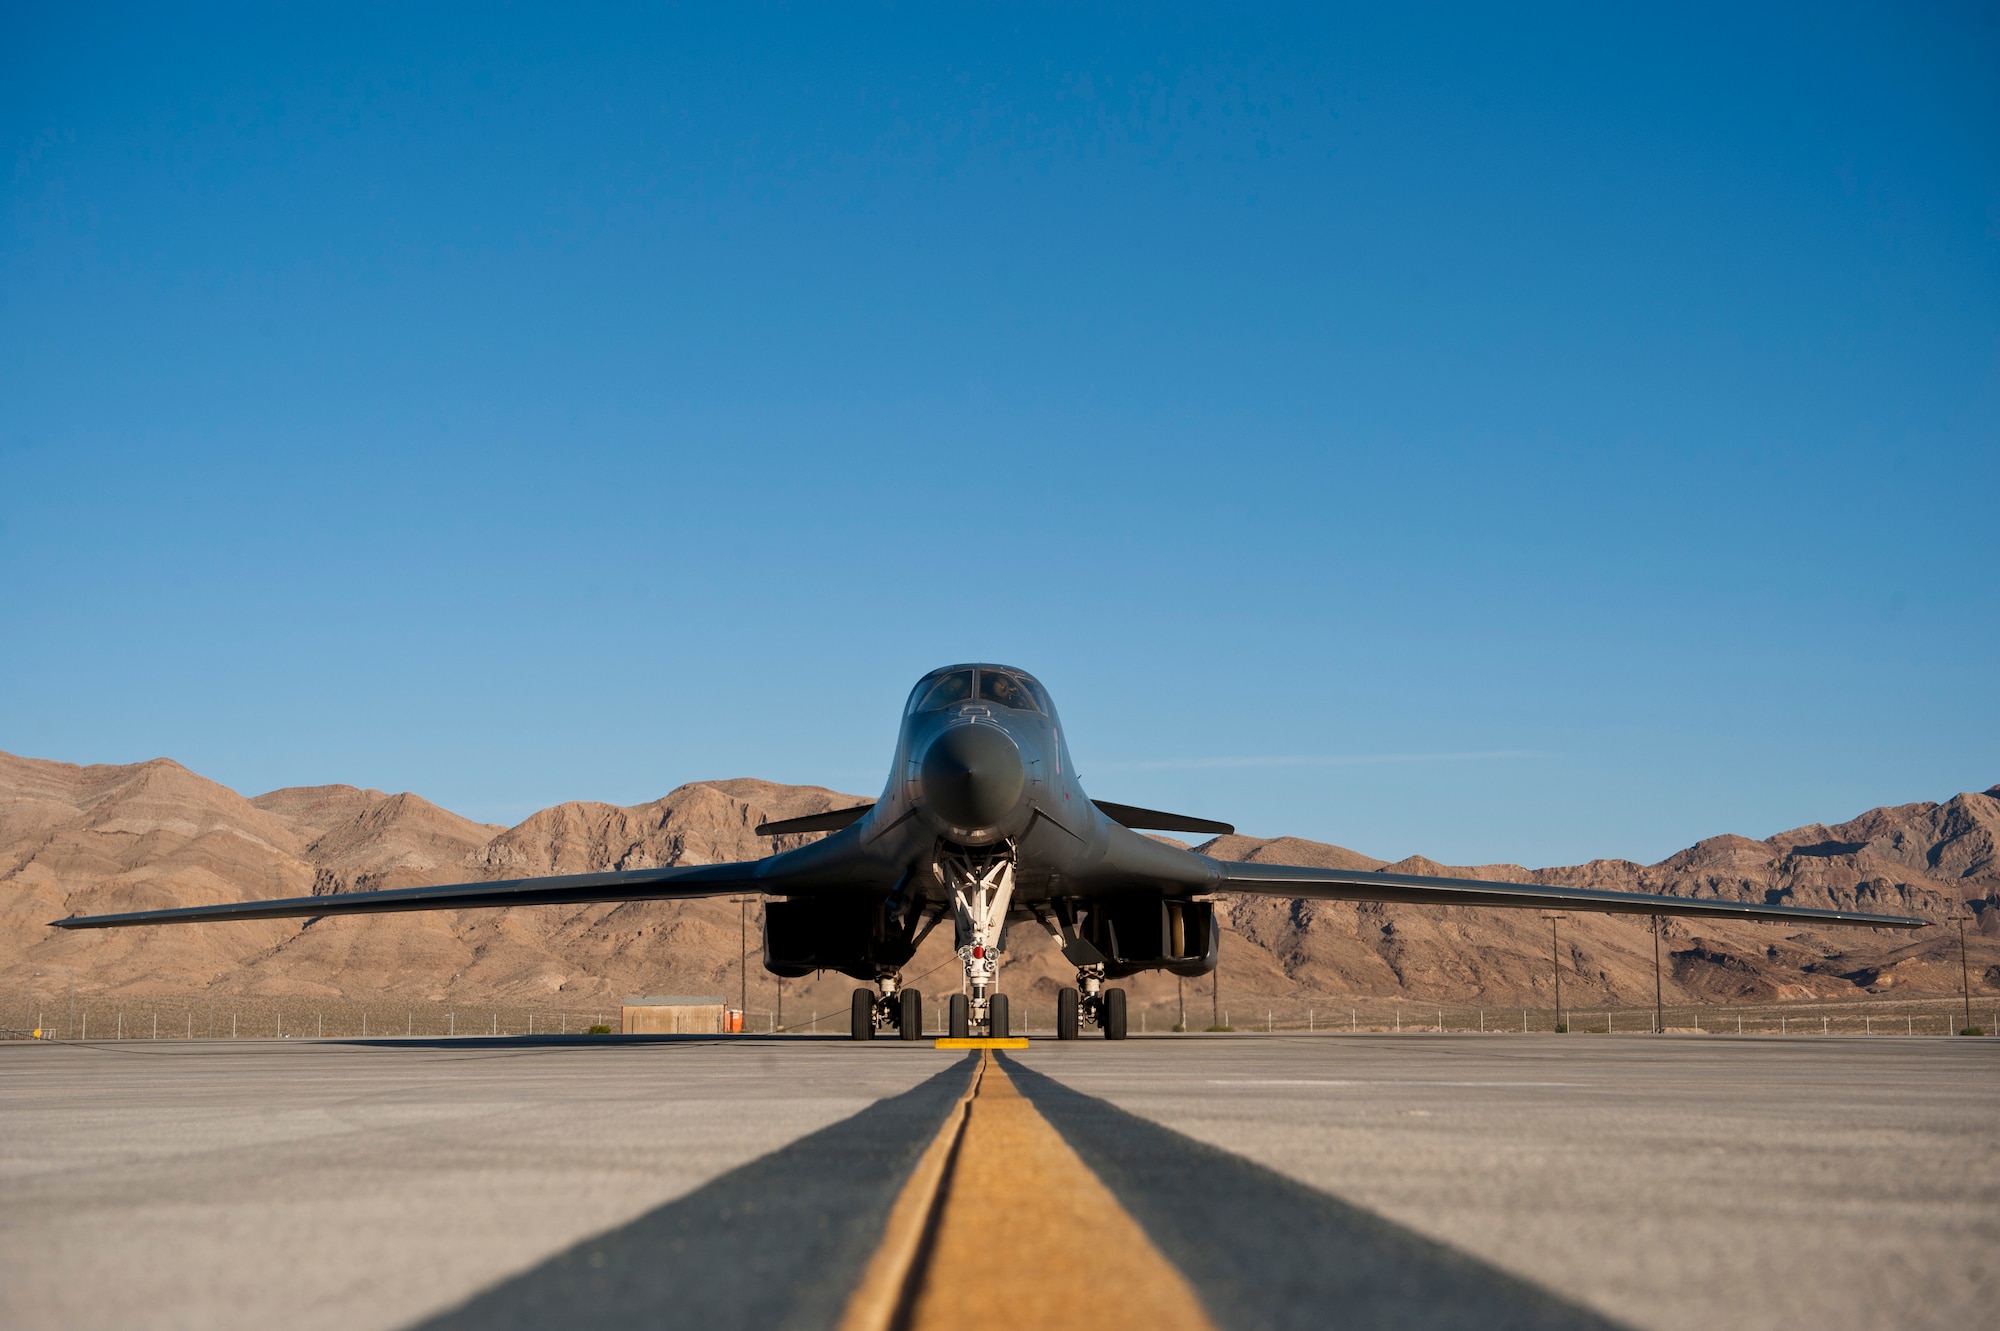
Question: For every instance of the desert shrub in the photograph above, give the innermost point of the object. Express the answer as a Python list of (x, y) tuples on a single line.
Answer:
[(598, 1030)]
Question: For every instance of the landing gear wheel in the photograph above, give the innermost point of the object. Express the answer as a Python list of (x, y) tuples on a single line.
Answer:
[(861, 1015), (961, 1016), (1066, 1014), (996, 1010), (911, 1025), (1114, 1014)]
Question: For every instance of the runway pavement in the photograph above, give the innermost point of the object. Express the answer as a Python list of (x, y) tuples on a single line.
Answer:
[(1421, 1181), (1668, 1182)]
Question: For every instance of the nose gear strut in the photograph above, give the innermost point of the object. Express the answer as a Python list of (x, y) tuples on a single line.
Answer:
[(980, 894)]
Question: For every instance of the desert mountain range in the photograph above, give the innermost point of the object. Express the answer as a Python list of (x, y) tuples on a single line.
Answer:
[(80, 840)]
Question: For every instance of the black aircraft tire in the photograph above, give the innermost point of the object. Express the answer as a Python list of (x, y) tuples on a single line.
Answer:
[(961, 1016), (1066, 1014), (861, 1015), (911, 1027), (1114, 1014), (996, 1016)]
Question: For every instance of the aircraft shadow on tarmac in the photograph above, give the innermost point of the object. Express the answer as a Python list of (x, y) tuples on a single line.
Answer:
[(783, 1240), (779, 1242)]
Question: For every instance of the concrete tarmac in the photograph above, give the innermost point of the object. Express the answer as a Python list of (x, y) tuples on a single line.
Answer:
[(1660, 1182), (1670, 1182), (262, 1183)]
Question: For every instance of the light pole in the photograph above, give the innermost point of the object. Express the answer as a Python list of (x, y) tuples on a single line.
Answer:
[(1659, 1020), (743, 953), (1964, 975), (1555, 962)]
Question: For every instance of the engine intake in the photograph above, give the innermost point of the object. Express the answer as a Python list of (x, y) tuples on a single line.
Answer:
[(1149, 933), (854, 935)]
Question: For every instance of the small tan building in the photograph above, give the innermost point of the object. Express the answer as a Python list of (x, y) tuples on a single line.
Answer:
[(672, 1014)]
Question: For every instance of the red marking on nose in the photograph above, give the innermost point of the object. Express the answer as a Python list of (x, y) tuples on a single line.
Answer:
[(979, 952)]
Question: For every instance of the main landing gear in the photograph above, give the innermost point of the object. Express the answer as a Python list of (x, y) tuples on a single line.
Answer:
[(1090, 1001), (888, 1006)]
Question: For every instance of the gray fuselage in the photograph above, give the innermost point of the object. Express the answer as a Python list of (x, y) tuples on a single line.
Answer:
[(973, 773)]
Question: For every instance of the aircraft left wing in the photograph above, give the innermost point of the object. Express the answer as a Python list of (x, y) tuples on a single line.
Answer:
[(1130, 815), (1288, 880), (676, 883)]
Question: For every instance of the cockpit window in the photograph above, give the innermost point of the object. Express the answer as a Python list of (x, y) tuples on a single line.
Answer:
[(1007, 690), (955, 687)]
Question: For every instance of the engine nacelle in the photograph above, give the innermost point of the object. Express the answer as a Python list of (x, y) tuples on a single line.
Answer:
[(855, 935), (1150, 933)]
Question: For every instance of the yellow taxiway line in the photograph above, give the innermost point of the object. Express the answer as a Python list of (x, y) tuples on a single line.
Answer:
[(1001, 1225), (980, 1042)]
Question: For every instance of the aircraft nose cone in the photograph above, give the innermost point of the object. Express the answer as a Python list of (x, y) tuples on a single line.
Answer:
[(973, 776)]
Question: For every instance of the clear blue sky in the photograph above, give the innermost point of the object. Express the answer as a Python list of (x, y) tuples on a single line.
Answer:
[(1487, 433)]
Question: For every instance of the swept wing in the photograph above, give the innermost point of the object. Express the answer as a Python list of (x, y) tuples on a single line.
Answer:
[(676, 883), (1288, 880), (830, 821), (1131, 815)]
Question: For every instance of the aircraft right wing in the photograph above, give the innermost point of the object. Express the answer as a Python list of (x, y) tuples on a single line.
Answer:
[(675, 883), (1290, 880), (830, 821)]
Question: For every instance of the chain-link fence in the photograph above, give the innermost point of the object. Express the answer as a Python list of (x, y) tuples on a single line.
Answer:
[(95, 1017), (1335, 1015), (98, 1018)]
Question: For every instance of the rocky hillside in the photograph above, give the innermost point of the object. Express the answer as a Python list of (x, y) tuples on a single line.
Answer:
[(89, 839), (1922, 859)]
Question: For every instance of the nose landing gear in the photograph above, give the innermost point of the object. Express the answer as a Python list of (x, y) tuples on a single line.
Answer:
[(980, 894)]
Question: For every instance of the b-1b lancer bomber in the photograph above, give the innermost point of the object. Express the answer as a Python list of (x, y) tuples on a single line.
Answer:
[(984, 823)]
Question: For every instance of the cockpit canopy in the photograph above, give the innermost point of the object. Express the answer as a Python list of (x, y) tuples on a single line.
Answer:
[(993, 685)]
